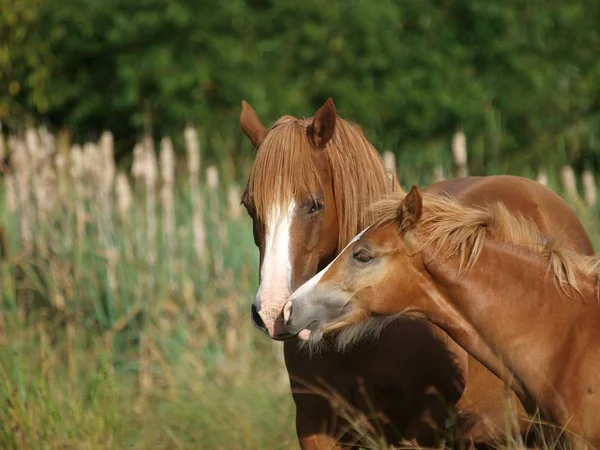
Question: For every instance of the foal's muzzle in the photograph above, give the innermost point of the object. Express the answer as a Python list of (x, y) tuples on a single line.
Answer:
[(258, 323)]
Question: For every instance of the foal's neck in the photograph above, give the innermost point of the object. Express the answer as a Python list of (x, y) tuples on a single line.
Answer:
[(512, 302)]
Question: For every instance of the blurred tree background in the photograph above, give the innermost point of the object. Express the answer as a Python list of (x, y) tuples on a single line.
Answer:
[(521, 78)]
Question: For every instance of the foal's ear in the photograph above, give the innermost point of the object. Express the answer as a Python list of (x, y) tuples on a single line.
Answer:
[(320, 131), (250, 124), (411, 209)]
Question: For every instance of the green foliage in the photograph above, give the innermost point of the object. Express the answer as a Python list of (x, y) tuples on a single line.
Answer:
[(409, 72)]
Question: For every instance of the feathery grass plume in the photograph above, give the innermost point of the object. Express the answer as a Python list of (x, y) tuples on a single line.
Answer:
[(40, 145), (193, 149), (147, 171), (77, 174), (150, 178), (138, 170), (2, 149), (60, 163), (64, 196), (567, 178), (459, 153), (542, 177), (389, 161), (139, 161), (106, 178), (90, 176), (438, 173), (11, 193), (167, 171), (21, 166), (589, 188), (233, 200), (35, 153), (212, 178), (45, 181), (33, 146), (91, 182), (193, 161), (124, 199), (124, 196), (212, 182)]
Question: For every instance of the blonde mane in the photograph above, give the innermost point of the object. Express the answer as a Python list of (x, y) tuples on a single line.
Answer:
[(453, 229), (284, 167)]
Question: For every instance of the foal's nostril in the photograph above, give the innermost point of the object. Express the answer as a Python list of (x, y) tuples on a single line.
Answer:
[(256, 319)]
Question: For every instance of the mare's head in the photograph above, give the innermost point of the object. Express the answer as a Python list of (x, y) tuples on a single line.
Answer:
[(311, 181)]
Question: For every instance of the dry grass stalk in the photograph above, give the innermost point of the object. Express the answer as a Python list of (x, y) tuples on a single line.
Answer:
[(567, 177), (124, 196), (61, 165), (438, 173), (150, 177), (542, 177), (71, 349), (212, 182), (459, 153), (193, 162), (389, 161), (193, 150), (77, 173), (105, 178), (139, 161), (90, 173), (145, 369), (36, 159), (233, 199), (63, 195), (11, 193), (167, 170), (41, 146), (589, 188), (21, 165), (2, 149)]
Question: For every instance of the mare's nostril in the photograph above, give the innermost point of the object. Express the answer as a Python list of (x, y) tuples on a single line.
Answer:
[(256, 319)]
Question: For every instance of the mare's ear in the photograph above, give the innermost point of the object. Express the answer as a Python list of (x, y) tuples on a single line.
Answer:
[(320, 131), (250, 124), (410, 209)]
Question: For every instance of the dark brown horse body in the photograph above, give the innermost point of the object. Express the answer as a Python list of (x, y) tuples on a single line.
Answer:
[(414, 375)]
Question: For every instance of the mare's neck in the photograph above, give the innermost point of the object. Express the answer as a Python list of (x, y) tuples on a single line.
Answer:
[(510, 305)]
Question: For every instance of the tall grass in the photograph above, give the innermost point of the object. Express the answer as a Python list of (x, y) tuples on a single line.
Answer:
[(114, 330), (125, 297)]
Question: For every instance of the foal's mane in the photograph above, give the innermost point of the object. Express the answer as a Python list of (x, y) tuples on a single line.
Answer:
[(284, 167), (453, 229)]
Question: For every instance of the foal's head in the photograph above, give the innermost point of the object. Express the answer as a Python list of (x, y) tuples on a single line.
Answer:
[(365, 279), (311, 181)]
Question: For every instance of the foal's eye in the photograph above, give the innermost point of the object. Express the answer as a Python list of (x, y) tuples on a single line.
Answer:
[(315, 207), (362, 257)]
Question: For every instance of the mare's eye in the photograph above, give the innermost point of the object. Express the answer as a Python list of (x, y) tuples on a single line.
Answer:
[(316, 207), (362, 257)]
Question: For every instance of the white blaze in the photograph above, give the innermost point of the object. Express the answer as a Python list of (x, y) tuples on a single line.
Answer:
[(276, 271)]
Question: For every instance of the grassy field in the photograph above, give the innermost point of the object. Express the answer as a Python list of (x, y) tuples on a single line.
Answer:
[(125, 306)]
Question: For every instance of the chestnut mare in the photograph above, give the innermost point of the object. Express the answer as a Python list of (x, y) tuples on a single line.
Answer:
[(482, 276), (307, 191)]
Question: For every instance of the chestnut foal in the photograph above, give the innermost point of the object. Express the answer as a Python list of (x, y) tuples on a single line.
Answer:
[(523, 305)]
